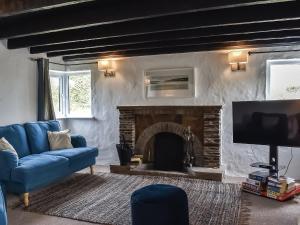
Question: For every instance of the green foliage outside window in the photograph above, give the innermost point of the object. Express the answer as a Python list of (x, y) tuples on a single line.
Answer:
[(80, 94)]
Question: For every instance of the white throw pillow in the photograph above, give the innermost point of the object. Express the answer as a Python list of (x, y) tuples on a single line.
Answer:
[(5, 145), (59, 140)]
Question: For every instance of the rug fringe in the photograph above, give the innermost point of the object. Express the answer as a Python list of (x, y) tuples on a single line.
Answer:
[(245, 212)]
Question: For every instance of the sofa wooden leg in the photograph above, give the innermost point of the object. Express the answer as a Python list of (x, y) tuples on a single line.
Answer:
[(92, 169), (26, 199)]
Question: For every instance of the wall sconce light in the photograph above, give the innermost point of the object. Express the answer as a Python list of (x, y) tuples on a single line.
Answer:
[(107, 67), (147, 81), (238, 60)]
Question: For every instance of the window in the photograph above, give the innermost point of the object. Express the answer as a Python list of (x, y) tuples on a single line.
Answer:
[(283, 79), (56, 93), (71, 93)]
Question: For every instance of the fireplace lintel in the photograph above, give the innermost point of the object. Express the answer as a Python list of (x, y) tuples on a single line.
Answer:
[(172, 109)]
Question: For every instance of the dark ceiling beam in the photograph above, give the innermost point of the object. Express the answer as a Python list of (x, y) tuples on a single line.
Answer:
[(111, 11), (172, 35), (276, 35), (178, 49), (215, 18), (17, 7)]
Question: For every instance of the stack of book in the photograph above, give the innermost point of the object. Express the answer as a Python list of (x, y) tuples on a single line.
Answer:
[(260, 183), (256, 182), (281, 186)]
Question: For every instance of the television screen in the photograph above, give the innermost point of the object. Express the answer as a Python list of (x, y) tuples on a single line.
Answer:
[(267, 122)]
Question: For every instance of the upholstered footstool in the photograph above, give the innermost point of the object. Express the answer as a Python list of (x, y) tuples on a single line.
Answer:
[(159, 204)]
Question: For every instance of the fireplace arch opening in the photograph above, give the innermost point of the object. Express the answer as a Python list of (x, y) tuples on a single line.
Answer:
[(168, 152), (145, 142)]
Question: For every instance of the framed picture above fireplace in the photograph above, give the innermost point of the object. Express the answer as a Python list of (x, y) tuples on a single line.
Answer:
[(170, 83)]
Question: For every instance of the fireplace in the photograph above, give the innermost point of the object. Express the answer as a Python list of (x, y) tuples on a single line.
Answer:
[(168, 152), (158, 133)]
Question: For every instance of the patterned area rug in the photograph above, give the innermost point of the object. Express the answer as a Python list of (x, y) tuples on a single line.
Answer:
[(105, 199)]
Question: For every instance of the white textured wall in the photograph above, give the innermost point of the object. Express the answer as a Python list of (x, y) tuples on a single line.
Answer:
[(215, 84), (17, 86)]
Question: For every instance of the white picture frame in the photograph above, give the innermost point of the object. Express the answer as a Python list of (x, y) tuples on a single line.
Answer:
[(170, 83)]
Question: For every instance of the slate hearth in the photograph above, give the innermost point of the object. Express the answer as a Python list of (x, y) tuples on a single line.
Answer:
[(141, 124)]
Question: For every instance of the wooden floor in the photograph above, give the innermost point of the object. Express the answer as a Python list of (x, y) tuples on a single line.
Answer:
[(263, 211)]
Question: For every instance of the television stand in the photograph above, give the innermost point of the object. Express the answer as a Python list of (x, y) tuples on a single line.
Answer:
[(272, 166), (273, 161), (264, 165), (274, 169)]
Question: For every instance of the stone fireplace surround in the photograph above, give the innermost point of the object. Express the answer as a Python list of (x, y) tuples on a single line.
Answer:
[(139, 124)]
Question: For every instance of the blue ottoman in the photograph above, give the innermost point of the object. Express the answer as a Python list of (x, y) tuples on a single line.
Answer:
[(159, 204)]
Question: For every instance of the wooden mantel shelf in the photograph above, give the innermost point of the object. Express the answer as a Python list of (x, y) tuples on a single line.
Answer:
[(135, 107)]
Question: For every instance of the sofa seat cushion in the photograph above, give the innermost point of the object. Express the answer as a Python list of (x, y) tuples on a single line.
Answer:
[(39, 168), (74, 154), (37, 135)]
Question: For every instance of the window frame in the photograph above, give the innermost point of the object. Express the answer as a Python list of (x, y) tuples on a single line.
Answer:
[(64, 92), (59, 75), (268, 73)]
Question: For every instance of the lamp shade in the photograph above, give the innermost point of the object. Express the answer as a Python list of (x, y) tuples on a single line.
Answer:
[(104, 65), (237, 57)]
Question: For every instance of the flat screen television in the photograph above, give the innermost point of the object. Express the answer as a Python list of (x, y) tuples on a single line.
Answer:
[(274, 123)]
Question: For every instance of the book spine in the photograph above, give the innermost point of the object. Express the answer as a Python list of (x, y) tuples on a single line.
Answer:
[(273, 180), (253, 182), (258, 178), (270, 183), (276, 189), (251, 186)]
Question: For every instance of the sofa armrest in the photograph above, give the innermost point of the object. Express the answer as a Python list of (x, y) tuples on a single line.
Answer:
[(8, 161), (78, 141)]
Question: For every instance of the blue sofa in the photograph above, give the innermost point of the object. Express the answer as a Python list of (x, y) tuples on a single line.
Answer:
[(37, 166), (3, 214)]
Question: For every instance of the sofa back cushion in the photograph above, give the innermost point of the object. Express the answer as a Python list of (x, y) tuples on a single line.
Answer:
[(37, 135), (16, 136)]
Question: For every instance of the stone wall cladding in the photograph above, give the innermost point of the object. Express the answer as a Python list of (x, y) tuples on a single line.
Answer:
[(212, 137), (127, 126), (208, 155)]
